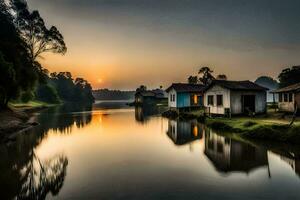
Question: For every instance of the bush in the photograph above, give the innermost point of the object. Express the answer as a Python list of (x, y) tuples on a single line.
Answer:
[(47, 93), (26, 96)]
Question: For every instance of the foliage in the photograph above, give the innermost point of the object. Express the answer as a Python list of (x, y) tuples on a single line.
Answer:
[(106, 94), (38, 37), (23, 37), (27, 96), (78, 90), (193, 79), (289, 76), (221, 77), (267, 82), (141, 88), (206, 75), (47, 93)]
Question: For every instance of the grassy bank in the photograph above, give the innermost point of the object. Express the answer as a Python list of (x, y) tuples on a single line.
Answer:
[(258, 128), (30, 106)]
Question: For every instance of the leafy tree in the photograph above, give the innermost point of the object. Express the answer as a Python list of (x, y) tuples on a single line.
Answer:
[(206, 75), (289, 76), (221, 77), (141, 88), (7, 81), (38, 37), (193, 79), (47, 93)]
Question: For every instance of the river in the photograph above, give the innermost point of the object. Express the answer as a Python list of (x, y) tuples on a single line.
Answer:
[(111, 151)]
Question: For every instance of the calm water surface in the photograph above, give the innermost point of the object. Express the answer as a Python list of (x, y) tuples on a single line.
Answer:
[(110, 151)]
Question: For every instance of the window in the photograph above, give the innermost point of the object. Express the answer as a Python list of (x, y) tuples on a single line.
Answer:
[(210, 100), (280, 97), (285, 96), (195, 98), (290, 97), (219, 100)]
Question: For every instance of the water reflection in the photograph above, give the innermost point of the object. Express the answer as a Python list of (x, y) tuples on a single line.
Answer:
[(23, 174), (183, 132), (62, 118), (144, 113), (229, 155)]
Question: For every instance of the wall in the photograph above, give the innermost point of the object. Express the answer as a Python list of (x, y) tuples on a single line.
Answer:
[(287, 106), (236, 101), (217, 90)]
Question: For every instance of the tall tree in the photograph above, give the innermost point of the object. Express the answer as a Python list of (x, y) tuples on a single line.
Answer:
[(206, 75), (193, 79), (289, 76), (221, 77), (38, 37), (14, 51)]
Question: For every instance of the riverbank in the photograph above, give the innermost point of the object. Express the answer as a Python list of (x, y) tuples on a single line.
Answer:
[(262, 128), (272, 126), (18, 117)]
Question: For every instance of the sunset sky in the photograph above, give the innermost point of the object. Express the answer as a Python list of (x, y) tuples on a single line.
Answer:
[(121, 44)]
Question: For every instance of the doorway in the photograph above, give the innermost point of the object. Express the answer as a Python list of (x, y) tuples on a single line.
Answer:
[(248, 104)]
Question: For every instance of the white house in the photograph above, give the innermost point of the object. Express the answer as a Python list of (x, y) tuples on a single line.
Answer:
[(289, 98), (235, 97)]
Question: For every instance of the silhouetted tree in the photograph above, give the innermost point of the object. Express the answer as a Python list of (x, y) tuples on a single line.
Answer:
[(141, 88), (289, 76), (206, 75), (38, 37), (14, 51), (221, 77), (193, 79)]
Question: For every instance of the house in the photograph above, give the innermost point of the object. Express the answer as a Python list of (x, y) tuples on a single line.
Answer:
[(229, 155), (150, 97), (183, 132), (289, 98), (183, 96), (235, 97)]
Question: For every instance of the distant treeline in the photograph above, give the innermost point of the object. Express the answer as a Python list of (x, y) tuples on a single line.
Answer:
[(62, 87), (106, 94)]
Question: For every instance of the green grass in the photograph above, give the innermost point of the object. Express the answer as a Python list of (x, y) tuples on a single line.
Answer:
[(30, 104), (258, 128)]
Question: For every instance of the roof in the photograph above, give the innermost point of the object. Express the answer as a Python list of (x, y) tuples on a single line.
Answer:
[(158, 93), (238, 85), (290, 88), (186, 87)]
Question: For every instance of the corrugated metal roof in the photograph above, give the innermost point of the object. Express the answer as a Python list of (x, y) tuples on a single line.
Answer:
[(290, 88)]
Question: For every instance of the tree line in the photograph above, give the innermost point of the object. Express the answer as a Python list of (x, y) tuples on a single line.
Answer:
[(24, 37), (288, 76)]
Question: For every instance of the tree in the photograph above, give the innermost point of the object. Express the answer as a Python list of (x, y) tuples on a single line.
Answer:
[(221, 77), (289, 76), (206, 75), (141, 88), (7, 81), (193, 79), (47, 93), (38, 37)]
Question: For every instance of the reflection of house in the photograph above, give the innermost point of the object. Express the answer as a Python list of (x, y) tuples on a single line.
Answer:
[(293, 161), (182, 132), (289, 98), (228, 155), (183, 95), (150, 97), (235, 96), (142, 113)]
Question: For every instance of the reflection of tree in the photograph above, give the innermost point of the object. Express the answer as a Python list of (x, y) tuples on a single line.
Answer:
[(62, 118), (40, 178)]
